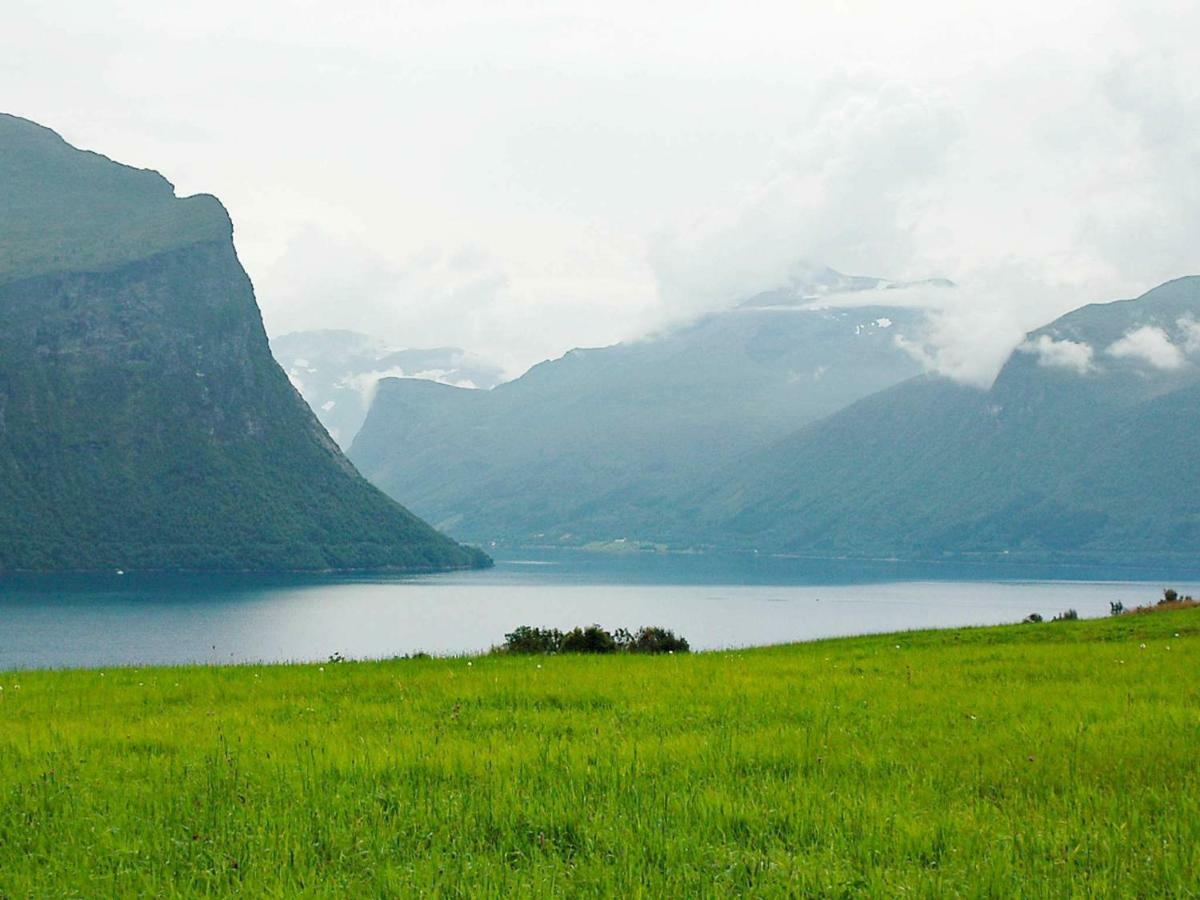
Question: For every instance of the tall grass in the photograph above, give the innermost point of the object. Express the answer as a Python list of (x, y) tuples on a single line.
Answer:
[(1048, 760)]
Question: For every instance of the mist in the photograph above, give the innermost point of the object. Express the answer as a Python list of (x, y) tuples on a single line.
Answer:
[(519, 182)]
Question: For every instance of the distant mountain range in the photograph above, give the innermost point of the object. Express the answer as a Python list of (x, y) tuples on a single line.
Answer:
[(1083, 446), (143, 422), (337, 372), (795, 423), (596, 445)]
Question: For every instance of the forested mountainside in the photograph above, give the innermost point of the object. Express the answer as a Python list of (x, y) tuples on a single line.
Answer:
[(143, 422)]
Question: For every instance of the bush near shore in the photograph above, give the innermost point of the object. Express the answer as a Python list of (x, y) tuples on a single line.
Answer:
[(593, 639)]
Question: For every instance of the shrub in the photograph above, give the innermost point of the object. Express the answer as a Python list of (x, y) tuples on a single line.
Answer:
[(658, 640), (624, 639), (1032, 618), (1170, 596), (526, 639), (1115, 609), (1069, 616), (592, 639)]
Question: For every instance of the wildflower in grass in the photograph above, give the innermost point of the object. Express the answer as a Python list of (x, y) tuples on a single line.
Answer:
[(1141, 646)]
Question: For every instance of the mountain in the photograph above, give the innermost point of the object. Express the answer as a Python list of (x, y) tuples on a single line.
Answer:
[(337, 372), (1081, 447), (143, 422), (811, 286), (597, 444)]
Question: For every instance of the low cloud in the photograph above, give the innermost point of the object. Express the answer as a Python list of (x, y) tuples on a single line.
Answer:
[(1151, 345), (1074, 355), (950, 344), (845, 192), (1089, 191), (1191, 333), (365, 384), (462, 297)]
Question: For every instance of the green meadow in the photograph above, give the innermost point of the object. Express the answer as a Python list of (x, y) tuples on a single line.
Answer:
[(1049, 760)]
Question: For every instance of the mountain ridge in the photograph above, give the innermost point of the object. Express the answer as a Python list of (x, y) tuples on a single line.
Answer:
[(1056, 457), (337, 371), (143, 423), (582, 447)]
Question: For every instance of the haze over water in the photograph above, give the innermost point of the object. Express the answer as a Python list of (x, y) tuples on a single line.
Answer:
[(716, 602)]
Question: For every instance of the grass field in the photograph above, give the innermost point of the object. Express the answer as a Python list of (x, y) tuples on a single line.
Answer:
[(1034, 760)]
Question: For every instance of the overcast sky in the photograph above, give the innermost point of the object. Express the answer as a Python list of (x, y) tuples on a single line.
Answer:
[(519, 179)]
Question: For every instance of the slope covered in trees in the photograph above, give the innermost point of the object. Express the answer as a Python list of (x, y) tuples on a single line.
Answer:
[(1081, 447), (143, 422), (600, 443)]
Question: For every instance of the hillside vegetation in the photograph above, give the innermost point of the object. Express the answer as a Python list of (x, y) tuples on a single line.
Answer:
[(143, 422), (1058, 758), (792, 429), (600, 443), (1052, 461)]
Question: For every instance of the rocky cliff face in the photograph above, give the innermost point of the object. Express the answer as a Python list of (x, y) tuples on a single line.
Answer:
[(338, 372), (143, 422)]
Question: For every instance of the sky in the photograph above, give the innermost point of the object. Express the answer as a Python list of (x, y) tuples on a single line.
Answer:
[(518, 179)]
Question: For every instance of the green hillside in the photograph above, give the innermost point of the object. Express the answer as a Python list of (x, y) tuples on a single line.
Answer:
[(1052, 760), (1052, 460), (69, 210), (598, 443), (143, 422)]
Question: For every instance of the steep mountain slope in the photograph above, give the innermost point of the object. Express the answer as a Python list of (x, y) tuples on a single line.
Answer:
[(1080, 447), (597, 444), (337, 372), (143, 423)]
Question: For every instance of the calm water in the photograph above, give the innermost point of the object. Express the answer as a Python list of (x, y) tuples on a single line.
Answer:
[(104, 621)]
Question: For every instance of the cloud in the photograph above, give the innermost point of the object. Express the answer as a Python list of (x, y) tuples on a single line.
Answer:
[(1150, 345), (973, 328), (845, 191), (335, 281), (1074, 355), (965, 344), (1033, 209), (680, 158), (1191, 333), (1088, 190), (426, 297), (461, 296), (1145, 212)]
